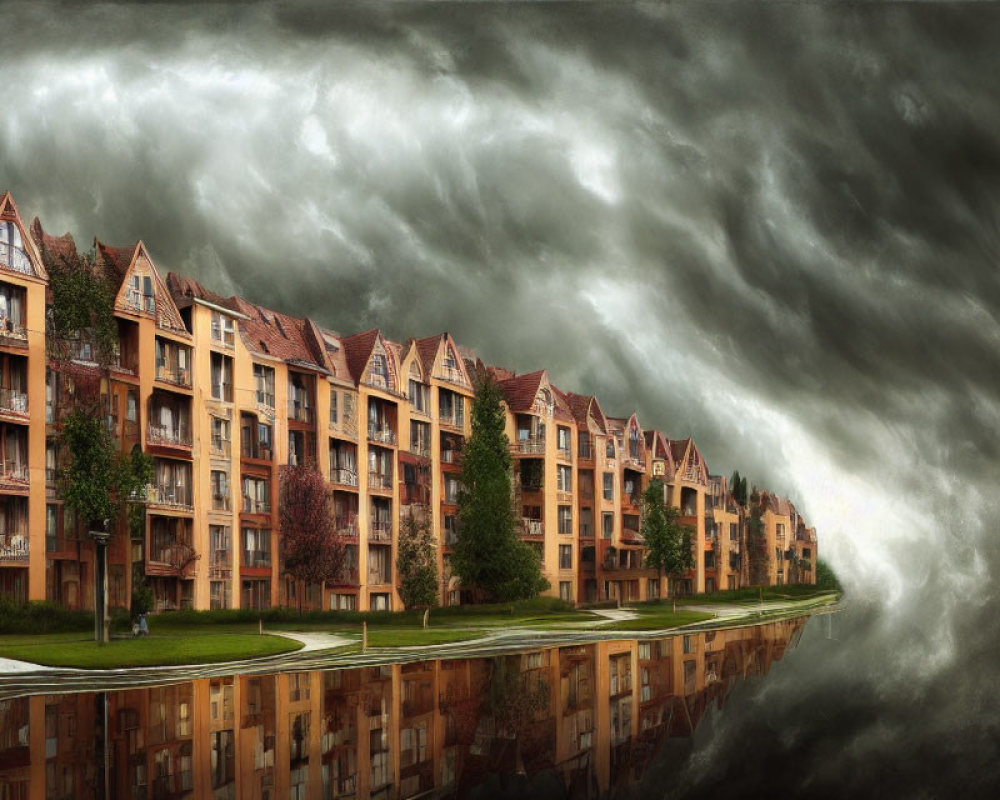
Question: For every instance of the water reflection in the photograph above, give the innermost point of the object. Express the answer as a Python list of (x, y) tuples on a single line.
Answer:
[(574, 721)]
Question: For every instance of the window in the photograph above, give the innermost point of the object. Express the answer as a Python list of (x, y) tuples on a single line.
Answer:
[(51, 528), (256, 495), (566, 591), (222, 377), (378, 375), (299, 398), (173, 362), (223, 329), (565, 556), (264, 380), (607, 525), (564, 478), (12, 248), (609, 486), (420, 398), (734, 532), (565, 519), (609, 448), (220, 490), (132, 406), (220, 435), (333, 406), (563, 441), (451, 487), (256, 547), (343, 602)]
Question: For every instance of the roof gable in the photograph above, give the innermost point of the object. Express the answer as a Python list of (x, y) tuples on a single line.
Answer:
[(141, 290), (440, 359), (18, 253), (372, 361), (690, 466)]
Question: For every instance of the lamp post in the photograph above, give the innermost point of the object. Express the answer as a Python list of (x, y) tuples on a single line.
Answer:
[(102, 622)]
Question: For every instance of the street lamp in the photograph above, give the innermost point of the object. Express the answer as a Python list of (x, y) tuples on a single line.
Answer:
[(102, 622)]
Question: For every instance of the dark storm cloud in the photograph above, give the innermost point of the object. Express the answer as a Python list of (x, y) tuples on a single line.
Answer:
[(773, 227)]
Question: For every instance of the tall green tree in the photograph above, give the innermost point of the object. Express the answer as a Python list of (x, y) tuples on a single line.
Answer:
[(99, 479), (416, 562), (668, 542), (488, 555)]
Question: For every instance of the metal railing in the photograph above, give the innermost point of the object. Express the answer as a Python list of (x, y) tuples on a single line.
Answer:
[(346, 527), (176, 376), (380, 531), (15, 257), (533, 527), (14, 401), (252, 506), (380, 480), (452, 420), (381, 435), (257, 559), (159, 434), (533, 444), (14, 548), (14, 472), (343, 476), (169, 495)]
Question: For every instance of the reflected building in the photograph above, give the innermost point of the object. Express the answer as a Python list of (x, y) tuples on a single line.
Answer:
[(581, 720)]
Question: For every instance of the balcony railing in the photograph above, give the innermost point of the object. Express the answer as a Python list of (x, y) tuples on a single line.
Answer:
[(452, 420), (13, 548), (176, 376), (252, 506), (381, 435), (299, 412), (176, 553), (13, 401), (420, 450), (13, 472), (450, 456), (169, 495), (531, 444), (343, 476), (381, 481), (346, 527), (257, 559), (380, 531), (179, 436), (14, 257), (265, 402), (533, 527), (452, 374)]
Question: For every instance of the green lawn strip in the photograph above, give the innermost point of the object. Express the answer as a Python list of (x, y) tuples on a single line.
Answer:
[(417, 637), (154, 650), (653, 622)]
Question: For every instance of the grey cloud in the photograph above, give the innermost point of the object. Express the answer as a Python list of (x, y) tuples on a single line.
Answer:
[(770, 226)]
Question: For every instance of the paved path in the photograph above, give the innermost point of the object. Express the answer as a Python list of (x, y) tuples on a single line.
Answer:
[(315, 640)]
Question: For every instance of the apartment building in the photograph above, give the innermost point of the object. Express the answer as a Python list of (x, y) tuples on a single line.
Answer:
[(223, 394)]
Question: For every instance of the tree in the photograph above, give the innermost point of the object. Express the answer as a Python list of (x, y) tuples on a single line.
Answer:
[(99, 479), (312, 551), (488, 555), (738, 488), (416, 561), (668, 542)]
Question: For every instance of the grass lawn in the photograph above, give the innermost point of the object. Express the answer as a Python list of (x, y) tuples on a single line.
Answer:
[(74, 650), (657, 620)]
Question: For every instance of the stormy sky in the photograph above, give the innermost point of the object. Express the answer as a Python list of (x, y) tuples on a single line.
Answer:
[(770, 226)]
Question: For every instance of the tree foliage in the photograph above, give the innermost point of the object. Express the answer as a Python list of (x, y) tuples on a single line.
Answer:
[(99, 479), (758, 556), (311, 549), (488, 555), (416, 561), (738, 488), (83, 301), (668, 542), (826, 578)]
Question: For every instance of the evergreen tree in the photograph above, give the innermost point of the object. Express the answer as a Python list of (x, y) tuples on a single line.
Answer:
[(488, 555), (416, 563), (668, 542)]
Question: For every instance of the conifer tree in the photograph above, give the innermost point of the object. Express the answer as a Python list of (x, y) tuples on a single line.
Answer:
[(488, 555)]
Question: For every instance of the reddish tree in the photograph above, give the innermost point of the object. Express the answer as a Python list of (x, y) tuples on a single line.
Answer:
[(311, 549)]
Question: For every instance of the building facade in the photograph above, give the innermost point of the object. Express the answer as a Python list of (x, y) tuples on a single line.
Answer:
[(223, 394)]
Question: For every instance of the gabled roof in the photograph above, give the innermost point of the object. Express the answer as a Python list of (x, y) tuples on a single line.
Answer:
[(271, 333), (336, 359), (658, 444), (185, 290), (688, 461), (9, 213), (119, 264), (360, 348), (587, 410), (431, 349), (520, 392), (63, 247)]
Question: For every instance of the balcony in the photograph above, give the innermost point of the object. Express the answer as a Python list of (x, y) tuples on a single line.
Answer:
[(301, 412), (174, 375), (257, 559), (14, 548), (346, 527), (452, 420), (450, 374), (534, 445), (13, 401), (14, 257), (532, 527), (253, 506), (585, 447), (344, 476), (380, 481), (14, 472), (420, 449), (381, 435), (380, 530), (179, 436), (177, 497)]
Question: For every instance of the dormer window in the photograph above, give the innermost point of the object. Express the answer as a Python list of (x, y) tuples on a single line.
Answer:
[(379, 372), (12, 252), (223, 329)]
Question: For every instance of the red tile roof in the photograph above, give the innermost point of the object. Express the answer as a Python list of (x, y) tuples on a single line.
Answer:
[(520, 391), (427, 350), (184, 289), (358, 350), (58, 246), (272, 333)]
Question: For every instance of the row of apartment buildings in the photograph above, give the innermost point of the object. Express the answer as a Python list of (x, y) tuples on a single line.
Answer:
[(392, 731), (222, 393)]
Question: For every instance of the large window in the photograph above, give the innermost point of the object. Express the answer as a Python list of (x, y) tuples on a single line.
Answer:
[(609, 486), (420, 397), (564, 478), (565, 556), (256, 547), (222, 377), (12, 303), (12, 252), (223, 329), (264, 379), (565, 519)]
